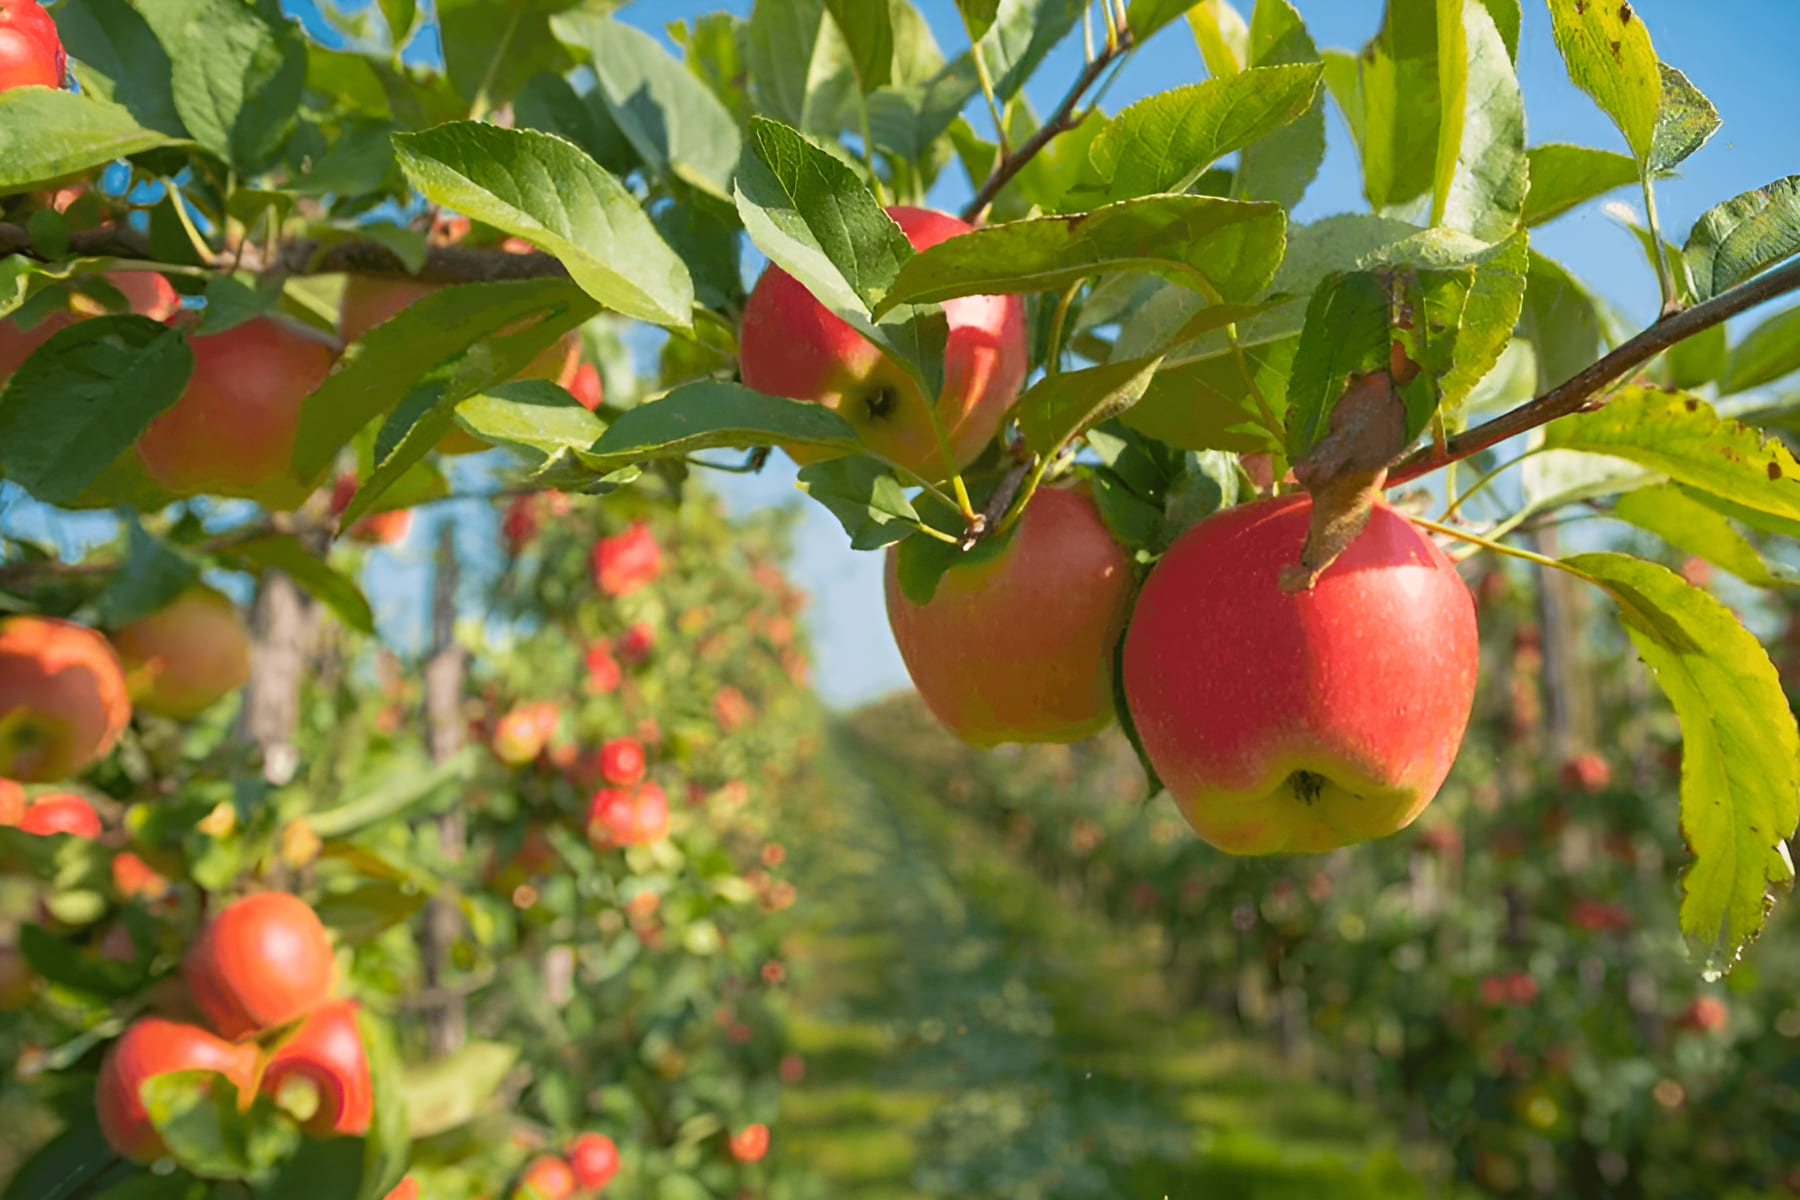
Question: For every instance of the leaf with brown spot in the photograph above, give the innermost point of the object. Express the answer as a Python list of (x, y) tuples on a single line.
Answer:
[(1345, 471)]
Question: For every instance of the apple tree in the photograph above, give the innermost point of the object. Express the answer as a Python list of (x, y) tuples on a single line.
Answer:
[(1138, 447)]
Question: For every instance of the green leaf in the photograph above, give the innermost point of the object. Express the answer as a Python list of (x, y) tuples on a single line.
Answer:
[(196, 1114), (1488, 318), (151, 575), (119, 60), (1697, 360), (531, 414), (1766, 354), (447, 1092), (1347, 333), (1230, 247), (1685, 120), (82, 399), (1400, 105), (548, 103), (1740, 238), (1212, 403), (329, 1168), (47, 135), (1222, 35), (674, 122), (230, 301), (868, 30), (1023, 34), (1145, 17), (369, 909), (382, 369), (1166, 142), (387, 1145), (708, 415), (399, 15), (800, 66), (76, 1163), (1281, 165), (1677, 517), (405, 785), (921, 561), (1561, 321), (330, 587), (977, 16), (238, 71), (1564, 177), (60, 963), (1682, 437), (1740, 768), (1059, 408), (1481, 178), (490, 51), (864, 496), (1606, 48), (545, 190)]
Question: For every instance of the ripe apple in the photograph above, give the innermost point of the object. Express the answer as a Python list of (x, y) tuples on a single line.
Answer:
[(521, 735), (1586, 772), (12, 802), (370, 301), (750, 1143), (792, 346), (136, 879), (638, 642), (406, 1189), (626, 562), (546, 1178), (61, 812), (595, 1160), (586, 387), (1288, 722), (1706, 1014), (63, 699), (622, 762), (30, 51), (634, 816), (326, 1057), (265, 960), (152, 1047), (1019, 647), (148, 293), (232, 432), (732, 709), (184, 658)]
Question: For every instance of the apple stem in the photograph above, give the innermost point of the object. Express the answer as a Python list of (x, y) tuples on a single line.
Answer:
[(1476, 539)]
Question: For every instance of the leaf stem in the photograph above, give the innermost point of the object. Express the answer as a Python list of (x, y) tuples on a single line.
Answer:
[(179, 203), (987, 90), (1579, 393), (1483, 481), (1475, 539), (1058, 319), (1665, 274), (1061, 120)]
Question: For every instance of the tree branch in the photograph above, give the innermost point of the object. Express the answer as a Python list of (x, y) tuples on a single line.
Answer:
[(305, 256), (1060, 122), (1580, 393)]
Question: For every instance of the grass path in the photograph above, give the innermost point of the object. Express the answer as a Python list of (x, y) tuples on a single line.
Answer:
[(970, 1034)]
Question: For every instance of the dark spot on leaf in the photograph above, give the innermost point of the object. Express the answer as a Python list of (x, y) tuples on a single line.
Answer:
[(1624, 14), (1774, 470), (1307, 786), (1617, 57), (1693, 405), (882, 402), (1580, 7)]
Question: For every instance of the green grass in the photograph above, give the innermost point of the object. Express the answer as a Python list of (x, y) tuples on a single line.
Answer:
[(970, 1033)]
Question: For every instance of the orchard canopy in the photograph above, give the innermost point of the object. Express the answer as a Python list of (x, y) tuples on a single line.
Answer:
[(1139, 447)]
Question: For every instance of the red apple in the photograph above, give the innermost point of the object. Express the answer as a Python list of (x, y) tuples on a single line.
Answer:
[(1586, 772), (136, 879), (63, 699), (264, 961), (521, 735), (1300, 721), (732, 709), (148, 293), (634, 816), (626, 562), (638, 642), (326, 1057), (546, 1178), (232, 432), (594, 1159), (1019, 647), (186, 657), (750, 1143), (1706, 1014), (585, 386), (61, 812), (603, 671), (792, 346), (12, 802), (152, 1047), (622, 762), (30, 51), (406, 1189)]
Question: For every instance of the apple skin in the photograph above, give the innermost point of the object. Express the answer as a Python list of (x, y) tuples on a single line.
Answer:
[(1019, 648), (594, 1158), (793, 346), (626, 562), (63, 698), (151, 1047), (406, 1189), (327, 1053), (546, 1178), (188, 656), (369, 301), (30, 51), (521, 735), (232, 432), (264, 961), (635, 816), (149, 294), (61, 812), (1300, 722), (750, 1143), (622, 762)]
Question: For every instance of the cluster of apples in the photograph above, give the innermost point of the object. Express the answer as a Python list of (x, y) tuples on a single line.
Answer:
[(1281, 721), (263, 974), (588, 1164)]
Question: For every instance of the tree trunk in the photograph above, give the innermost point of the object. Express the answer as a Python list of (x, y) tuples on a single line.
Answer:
[(446, 1020)]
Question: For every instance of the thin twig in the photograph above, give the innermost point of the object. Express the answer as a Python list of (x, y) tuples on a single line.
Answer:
[(1061, 121), (1580, 393)]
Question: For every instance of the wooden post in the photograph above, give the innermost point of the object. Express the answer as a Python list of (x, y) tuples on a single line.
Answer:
[(446, 1018)]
